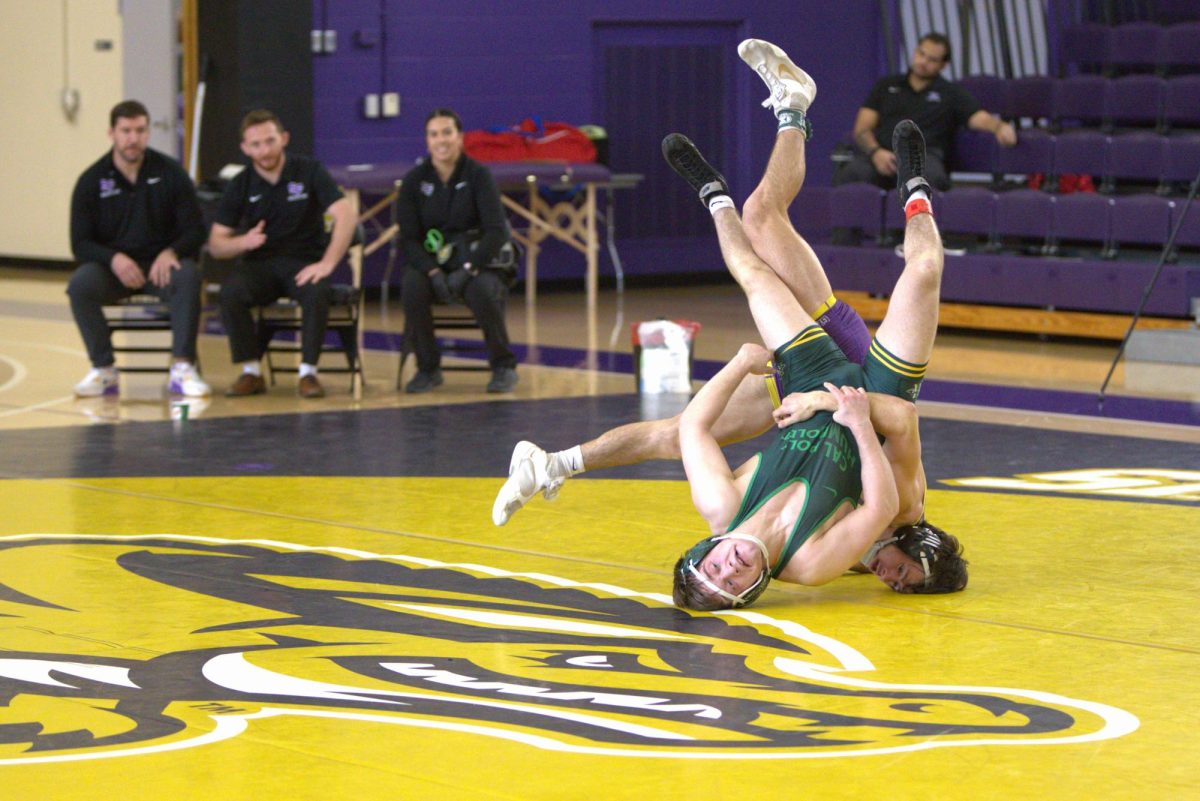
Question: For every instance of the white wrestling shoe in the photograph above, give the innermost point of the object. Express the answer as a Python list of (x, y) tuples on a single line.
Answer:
[(790, 86), (528, 474)]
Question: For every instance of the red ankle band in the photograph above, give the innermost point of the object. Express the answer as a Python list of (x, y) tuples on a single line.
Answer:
[(915, 207)]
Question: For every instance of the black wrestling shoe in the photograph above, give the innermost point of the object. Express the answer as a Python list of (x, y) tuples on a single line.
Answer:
[(686, 160), (909, 146)]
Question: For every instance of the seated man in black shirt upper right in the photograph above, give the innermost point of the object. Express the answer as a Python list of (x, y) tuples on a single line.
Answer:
[(937, 106)]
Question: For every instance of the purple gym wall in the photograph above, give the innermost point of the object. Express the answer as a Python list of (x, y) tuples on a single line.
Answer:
[(499, 62)]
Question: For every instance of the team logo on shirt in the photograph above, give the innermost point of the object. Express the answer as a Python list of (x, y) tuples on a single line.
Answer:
[(934, 97), (295, 191), (109, 188), (259, 629), (427, 188)]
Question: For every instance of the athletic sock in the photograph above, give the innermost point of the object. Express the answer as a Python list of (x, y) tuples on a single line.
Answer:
[(564, 464), (252, 368), (307, 369), (917, 203), (718, 202), (791, 118)]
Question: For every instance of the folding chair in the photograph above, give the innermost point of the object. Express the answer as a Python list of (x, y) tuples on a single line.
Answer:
[(140, 314), (450, 318), (345, 320)]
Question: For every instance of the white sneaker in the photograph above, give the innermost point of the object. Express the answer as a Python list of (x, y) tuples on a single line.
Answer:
[(185, 380), (526, 449), (527, 476), (98, 381), (790, 86)]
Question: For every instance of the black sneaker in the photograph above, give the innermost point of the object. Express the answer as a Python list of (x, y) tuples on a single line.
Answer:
[(909, 146), (424, 382), (504, 379), (686, 160)]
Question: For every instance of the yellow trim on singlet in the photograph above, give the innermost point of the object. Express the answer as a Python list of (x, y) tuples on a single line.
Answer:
[(896, 365), (807, 335), (773, 390)]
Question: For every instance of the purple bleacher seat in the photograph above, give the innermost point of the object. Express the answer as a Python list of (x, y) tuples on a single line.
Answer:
[(1176, 11), (974, 151), (1136, 156), (893, 212), (1187, 239), (1079, 100), (1082, 217), (1084, 46), (1031, 97), (1135, 45), (1141, 220), (989, 90), (1181, 161), (857, 205), (1181, 101), (1181, 46), (967, 210), (1034, 152), (1025, 214), (1082, 152), (1134, 100)]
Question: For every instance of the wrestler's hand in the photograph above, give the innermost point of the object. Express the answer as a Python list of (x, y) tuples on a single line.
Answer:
[(854, 408), (127, 271), (160, 270), (800, 406), (756, 358)]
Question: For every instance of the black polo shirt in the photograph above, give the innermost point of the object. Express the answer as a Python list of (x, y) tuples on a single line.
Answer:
[(109, 215), (468, 201), (293, 208), (939, 110)]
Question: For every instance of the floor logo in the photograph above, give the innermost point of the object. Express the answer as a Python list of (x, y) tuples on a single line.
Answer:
[(1140, 484), (175, 642)]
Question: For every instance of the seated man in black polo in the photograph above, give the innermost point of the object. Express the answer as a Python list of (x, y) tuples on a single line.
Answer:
[(937, 106), (281, 201), (135, 229)]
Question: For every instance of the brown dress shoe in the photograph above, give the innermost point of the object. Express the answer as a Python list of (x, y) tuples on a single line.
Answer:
[(310, 387), (247, 384)]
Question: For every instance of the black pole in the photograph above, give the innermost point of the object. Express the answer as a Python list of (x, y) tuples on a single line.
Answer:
[(886, 30), (1162, 260)]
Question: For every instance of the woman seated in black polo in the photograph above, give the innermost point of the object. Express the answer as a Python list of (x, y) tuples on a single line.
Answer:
[(454, 232)]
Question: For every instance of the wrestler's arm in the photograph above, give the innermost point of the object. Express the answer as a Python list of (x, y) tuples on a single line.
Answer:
[(896, 419), (709, 476), (893, 418), (829, 555)]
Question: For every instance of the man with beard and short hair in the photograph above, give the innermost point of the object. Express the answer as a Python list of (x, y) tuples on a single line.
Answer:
[(280, 203), (136, 228), (938, 107)]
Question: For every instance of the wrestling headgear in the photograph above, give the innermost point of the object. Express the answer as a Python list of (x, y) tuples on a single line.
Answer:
[(688, 566), (936, 551)]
